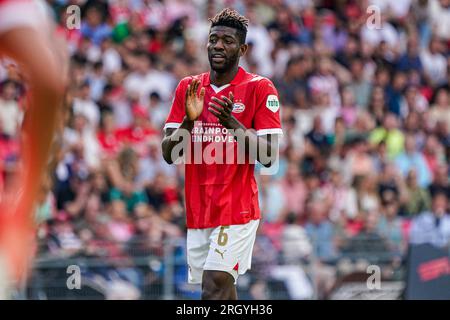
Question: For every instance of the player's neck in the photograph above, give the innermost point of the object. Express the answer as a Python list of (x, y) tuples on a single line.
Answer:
[(219, 79)]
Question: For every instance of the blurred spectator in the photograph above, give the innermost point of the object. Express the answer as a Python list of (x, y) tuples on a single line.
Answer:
[(390, 227), (433, 226), (158, 110), (120, 226), (295, 243), (357, 161), (85, 106), (394, 92), (410, 59), (434, 62), (390, 134), (413, 101), (93, 26), (377, 104), (417, 198), (433, 153), (412, 159), (366, 193), (441, 182), (440, 108), (343, 199), (139, 133), (107, 135), (273, 196), (368, 243), (123, 174), (294, 190), (321, 232), (65, 240), (349, 108), (323, 81), (145, 79), (97, 81), (318, 141), (293, 79), (10, 111), (265, 258), (83, 139), (440, 17), (391, 184)]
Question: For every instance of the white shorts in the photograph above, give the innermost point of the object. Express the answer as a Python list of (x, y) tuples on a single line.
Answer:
[(224, 248), (22, 13)]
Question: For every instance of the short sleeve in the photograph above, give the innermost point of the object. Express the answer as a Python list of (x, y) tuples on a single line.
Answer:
[(177, 112), (267, 115)]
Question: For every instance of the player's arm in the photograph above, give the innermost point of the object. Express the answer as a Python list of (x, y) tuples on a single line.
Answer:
[(169, 141), (44, 65), (193, 107), (266, 145), (270, 144)]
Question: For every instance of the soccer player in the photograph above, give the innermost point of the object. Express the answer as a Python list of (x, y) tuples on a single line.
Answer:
[(27, 37), (230, 108)]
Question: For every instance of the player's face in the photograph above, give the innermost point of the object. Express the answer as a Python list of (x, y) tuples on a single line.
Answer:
[(224, 48)]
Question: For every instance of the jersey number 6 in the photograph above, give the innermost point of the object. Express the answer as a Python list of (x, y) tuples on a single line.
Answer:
[(223, 237)]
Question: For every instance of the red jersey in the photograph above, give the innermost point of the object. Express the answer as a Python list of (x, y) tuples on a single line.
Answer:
[(110, 142), (224, 193), (137, 137)]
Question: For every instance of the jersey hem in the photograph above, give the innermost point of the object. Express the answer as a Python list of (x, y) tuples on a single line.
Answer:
[(219, 225), (172, 125), (262, 132)]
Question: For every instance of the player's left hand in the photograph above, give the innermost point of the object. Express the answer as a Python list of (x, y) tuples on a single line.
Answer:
[(222, 109)]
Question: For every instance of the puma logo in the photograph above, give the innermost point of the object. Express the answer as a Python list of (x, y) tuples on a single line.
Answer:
[(221, 253)]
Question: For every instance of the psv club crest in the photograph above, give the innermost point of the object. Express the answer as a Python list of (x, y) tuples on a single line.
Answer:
[(238, 107)]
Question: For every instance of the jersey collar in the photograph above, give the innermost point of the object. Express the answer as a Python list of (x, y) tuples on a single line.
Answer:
[(236, 80)]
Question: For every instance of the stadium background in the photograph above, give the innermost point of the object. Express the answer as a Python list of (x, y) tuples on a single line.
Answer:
[(366, 120)]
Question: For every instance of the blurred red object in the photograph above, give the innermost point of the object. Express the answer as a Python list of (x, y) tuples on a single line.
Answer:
[(140, 111), (170, 195)]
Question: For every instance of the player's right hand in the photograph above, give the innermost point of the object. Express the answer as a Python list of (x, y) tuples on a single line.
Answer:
[(194, 101)]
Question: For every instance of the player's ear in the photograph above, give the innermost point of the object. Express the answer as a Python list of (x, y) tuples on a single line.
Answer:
[(243, 49)]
